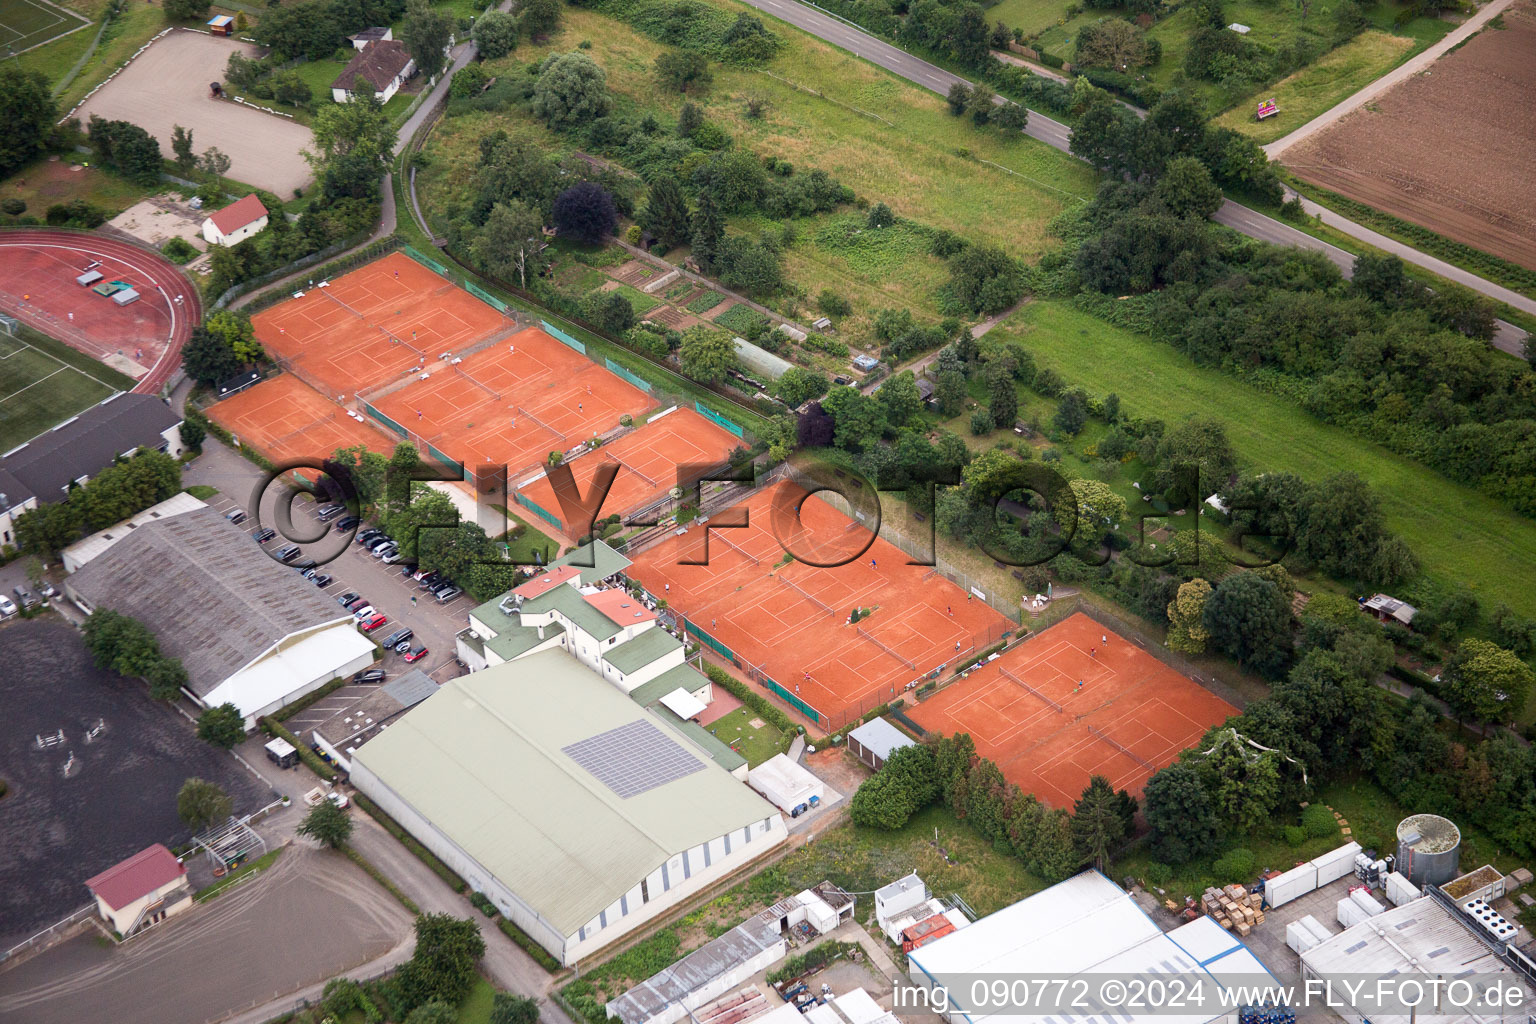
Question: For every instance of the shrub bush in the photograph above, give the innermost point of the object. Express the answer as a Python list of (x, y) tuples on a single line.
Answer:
[(1159, 873), (1295, 835), (1318, 821), (1235, 866)]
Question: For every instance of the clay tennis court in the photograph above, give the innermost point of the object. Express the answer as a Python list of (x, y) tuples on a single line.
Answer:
[(142, 339), (369, 327), (790, 622), (284, 419), (514, 402), (1026, 712), (648, 459)]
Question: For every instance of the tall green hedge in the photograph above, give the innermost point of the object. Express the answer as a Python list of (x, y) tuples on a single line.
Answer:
[(766, 710)]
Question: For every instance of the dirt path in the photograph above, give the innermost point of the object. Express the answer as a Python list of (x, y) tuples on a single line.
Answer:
[(1404, 71)]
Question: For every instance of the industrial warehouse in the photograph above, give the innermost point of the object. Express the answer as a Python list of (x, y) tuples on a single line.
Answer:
[(580, 815)]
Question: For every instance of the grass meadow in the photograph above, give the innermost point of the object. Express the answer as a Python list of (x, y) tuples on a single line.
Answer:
[(1464, 540), (43, 382)]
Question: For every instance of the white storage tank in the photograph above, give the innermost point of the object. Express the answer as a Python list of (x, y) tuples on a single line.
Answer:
[(1298, 881)]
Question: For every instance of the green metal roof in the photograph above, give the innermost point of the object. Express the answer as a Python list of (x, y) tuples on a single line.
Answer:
[(602, 559), (482, 760), (716, 748), (682, 677), (568, 601), (519, 640), (494, 618), (635, 654)]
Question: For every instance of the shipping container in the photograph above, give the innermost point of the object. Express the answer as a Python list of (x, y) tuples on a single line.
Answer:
[(1367, 902), (1317, 928), (1350, 913), (1336, 864), (1296, 882), (1400, 890)]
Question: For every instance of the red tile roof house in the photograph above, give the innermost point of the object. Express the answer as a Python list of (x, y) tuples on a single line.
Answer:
[(141, 891), (380, 66), (236, 222)]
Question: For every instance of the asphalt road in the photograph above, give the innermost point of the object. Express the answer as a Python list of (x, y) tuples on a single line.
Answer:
[(1053, 133)]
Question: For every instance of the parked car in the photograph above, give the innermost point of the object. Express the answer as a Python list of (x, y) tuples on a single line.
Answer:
[(235, 515), (322, 579), (356, 603), (305, 566), (369, 675), (394, 638), (46, 589), (407, 569), (373, 622), (346, 523), (24, 597), (402, 646), (420, 574), (362, 611), (378, 542), (416, 653), (287, 553), (391, 556), (264, 534), (329, 512), (369, 535), (7, 607), (431, 581), (348, 598), (447, 594)]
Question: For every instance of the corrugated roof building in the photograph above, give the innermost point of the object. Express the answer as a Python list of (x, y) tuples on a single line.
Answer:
[(579, 814)]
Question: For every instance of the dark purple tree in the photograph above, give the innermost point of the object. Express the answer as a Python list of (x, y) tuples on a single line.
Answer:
[(585, 212), (815, 428)]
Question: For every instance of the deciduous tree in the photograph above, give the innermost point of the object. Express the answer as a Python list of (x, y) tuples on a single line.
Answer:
[(27, 113), (571, 89), (222, 726), (327, 824), (202, 804), (426, 33)]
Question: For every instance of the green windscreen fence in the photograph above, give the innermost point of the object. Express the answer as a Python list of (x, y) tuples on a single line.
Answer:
[(639, 382), (710, 414), (391, 424), (794, 701), (453, 464), (538, 510), (485, 297), (425, 260), (556, 332), (713, 644)]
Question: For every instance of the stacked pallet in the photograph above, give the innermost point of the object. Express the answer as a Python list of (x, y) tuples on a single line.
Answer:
[(1234, 908)]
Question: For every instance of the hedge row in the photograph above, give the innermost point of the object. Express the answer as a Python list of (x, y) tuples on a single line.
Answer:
[(1501, 271), (381, 878), (312, 760), (195, 415), (765, 709), (423, 854), (539, 953)]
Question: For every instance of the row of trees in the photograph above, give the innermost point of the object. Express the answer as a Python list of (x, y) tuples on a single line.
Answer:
[(1051, 843), (121, 490), (122, 644)]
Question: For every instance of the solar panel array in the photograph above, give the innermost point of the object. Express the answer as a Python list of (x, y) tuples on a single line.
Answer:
[(633, 759)]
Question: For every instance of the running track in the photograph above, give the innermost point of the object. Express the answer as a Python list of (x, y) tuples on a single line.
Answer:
[(166, 277)]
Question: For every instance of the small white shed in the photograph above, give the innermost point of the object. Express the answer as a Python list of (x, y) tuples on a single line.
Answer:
[(786, 784)]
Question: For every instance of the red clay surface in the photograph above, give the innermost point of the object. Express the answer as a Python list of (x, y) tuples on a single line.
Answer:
[(284, 419), (648, 461), (791, 621), (369, 327), (514, 402), (1050, 742), (38, 287)]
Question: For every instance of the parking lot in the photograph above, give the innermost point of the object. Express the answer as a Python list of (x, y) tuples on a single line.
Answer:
[(352, 569)]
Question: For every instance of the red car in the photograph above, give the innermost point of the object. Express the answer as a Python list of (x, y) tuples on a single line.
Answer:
[(373, 622), (415, 654)]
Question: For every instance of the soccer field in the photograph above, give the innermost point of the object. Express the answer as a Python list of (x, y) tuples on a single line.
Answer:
[(43, 383), (28, 23)]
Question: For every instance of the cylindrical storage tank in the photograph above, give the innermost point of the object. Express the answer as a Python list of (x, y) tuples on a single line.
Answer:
[(1428, 849)]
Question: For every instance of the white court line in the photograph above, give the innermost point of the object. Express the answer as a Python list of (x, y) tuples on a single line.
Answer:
[(35, 383)]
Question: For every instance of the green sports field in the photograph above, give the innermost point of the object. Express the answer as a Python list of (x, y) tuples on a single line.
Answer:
[(28, 23), (43, 383)]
